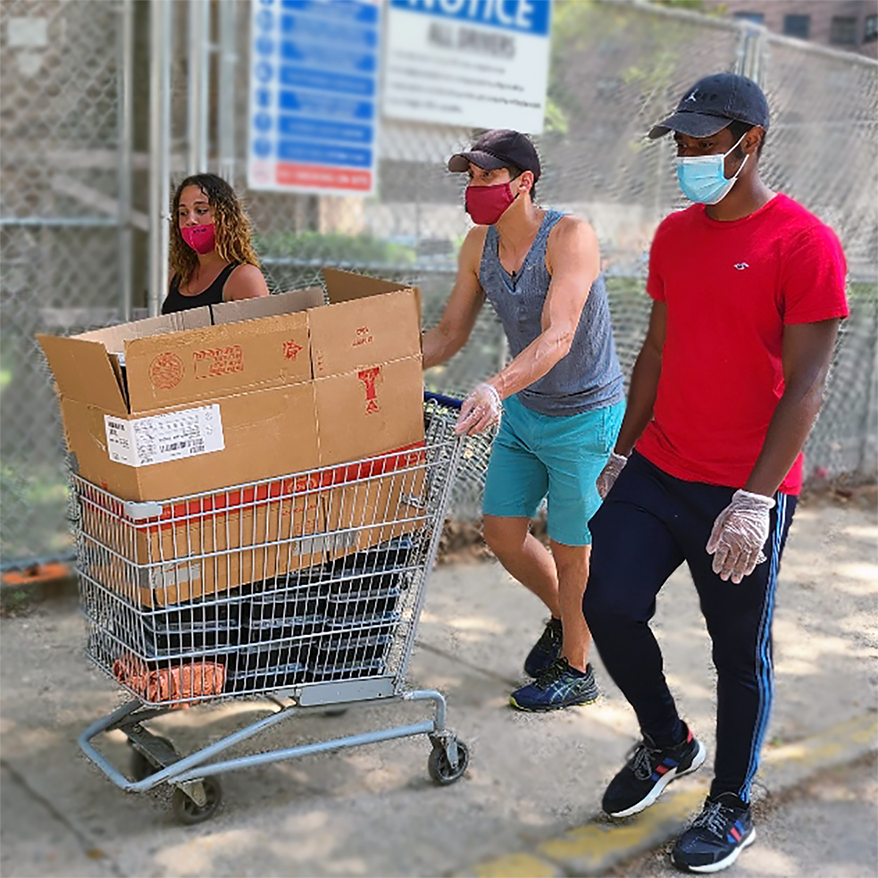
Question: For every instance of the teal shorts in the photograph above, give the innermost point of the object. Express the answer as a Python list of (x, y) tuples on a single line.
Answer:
[(536, 455)]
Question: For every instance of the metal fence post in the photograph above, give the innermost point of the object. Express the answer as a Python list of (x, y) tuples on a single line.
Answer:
[(159, 150), (867, 459), (126, 63), (199, 81), (226, 100), (750, 59)]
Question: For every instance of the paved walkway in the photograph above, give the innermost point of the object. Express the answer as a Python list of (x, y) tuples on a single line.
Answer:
[(529, 803)]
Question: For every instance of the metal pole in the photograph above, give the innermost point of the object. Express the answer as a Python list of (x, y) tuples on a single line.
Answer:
[(159, 150), (228, 10), (199, 60), (865, 463), (751, 52), (125, 64)]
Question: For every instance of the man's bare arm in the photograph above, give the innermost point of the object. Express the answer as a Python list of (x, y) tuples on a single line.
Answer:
[(573, 260), (466, 300)]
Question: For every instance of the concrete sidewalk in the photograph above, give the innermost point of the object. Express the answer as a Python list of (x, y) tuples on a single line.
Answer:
[(529, 803)]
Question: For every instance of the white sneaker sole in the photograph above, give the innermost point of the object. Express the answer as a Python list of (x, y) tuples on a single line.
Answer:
[(724, 864), (658, 789)]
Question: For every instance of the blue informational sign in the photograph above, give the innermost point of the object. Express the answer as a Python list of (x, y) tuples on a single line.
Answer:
[(314, 95)]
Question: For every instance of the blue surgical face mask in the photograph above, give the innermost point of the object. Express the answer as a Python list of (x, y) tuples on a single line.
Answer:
[(702, 177)]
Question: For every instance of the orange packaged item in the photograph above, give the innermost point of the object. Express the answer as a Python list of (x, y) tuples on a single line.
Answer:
[(176, 683)]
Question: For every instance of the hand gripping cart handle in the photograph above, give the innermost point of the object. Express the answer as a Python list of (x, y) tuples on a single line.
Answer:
[(304, 591)]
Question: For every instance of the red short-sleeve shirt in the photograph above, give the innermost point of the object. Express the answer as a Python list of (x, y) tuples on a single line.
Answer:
[(730, 288)]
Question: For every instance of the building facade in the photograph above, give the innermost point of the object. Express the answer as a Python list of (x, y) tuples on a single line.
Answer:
[(850, 25)]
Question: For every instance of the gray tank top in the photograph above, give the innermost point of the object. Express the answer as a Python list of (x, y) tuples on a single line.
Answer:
[(589, 377)]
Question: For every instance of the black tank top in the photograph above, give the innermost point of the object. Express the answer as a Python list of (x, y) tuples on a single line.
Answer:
[(213, 295)]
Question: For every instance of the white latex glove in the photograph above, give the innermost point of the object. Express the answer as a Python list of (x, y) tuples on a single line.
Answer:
[(610, 473), (738, 535), (480, 410)]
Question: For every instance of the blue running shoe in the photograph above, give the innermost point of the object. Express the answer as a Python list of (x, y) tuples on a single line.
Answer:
[(716, 837), (558, 686), (546, 651)]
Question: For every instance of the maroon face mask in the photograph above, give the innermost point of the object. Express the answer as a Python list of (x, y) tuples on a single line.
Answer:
[(486, 204), (202, 239)]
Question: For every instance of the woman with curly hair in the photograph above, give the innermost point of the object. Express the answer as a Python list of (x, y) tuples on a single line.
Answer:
[(212, 259)]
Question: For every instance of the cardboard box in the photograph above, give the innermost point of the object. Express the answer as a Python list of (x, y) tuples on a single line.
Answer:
[(190, 449), (211, 544), (370, 410), (179, 366), (243, 391), (374, 502), (215, 361), (364, 332), (267, 306)]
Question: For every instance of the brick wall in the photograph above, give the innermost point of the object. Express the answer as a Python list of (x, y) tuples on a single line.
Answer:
[(820, 12)]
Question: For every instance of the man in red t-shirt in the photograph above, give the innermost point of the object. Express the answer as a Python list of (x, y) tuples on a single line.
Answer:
[(748, 289)]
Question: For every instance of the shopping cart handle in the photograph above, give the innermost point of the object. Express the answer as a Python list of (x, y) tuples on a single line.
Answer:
[(448, 401)]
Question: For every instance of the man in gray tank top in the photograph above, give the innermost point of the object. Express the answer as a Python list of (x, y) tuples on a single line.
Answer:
[(559, 401)]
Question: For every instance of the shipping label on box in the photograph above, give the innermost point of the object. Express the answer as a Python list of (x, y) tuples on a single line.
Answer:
[(161, 438)]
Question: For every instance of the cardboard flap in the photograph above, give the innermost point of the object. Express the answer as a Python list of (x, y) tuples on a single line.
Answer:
[(215, 361), (83, 372), (114, 337), (342, 286), (364, 332), (267, 306)]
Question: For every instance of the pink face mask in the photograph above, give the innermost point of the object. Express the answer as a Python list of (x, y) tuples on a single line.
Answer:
[(486, 204), (202, 239)]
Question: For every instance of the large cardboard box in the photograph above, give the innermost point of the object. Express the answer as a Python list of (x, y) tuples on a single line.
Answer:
[(374, 502), (162, 554), (216, 397), (168, 406), (194, 448), (163, 414)]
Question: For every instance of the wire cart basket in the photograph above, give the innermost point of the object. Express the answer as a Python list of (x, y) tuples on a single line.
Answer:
[(304, 591)]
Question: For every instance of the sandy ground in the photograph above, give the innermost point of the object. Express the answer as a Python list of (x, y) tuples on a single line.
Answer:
[(373, 810)]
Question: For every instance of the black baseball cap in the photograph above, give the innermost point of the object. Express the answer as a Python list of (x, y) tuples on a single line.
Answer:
[(712, 103), (499, 148)]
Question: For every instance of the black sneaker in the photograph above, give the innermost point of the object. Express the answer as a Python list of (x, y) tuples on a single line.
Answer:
[(648, 771), (717, 835), (559, 686), (546, 651)]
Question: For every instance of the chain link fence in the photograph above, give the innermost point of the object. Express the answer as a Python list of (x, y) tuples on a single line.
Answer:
[(616, 69), (59, 233)]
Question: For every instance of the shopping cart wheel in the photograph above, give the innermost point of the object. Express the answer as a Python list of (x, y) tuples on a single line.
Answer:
[(141, 767), (440, 767), (187, 811)]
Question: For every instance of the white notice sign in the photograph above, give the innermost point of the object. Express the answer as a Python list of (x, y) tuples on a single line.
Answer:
[(161, 438), (479, 63)]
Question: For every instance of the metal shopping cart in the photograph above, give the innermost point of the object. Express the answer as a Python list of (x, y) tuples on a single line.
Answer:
[(304, 591)]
